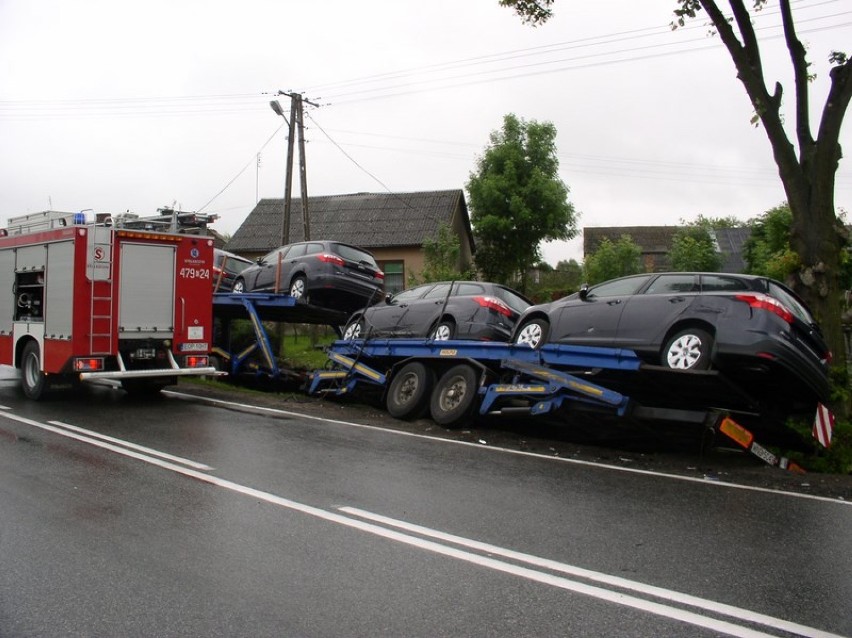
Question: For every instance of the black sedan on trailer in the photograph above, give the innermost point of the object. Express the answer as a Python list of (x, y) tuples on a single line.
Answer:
[(325, 273), (445, 310), (754, 329)]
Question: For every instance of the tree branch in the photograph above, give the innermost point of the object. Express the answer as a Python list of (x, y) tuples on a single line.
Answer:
[(800, 74)]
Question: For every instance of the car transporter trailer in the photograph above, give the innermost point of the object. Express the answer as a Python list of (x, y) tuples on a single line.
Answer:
[(454, 380)]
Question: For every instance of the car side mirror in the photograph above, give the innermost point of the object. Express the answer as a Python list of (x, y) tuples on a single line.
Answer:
[(584, 291), (389, 297)]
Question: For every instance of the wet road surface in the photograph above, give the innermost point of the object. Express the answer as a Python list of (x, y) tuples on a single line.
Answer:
[(179, 517)]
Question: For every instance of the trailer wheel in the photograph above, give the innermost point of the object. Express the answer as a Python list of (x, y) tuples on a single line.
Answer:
[(445, 330), (533, 333), (33, 381), (454, 395), (688, 350), (409, 391)]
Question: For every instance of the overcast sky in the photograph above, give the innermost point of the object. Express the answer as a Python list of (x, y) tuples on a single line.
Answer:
[(114, 106)]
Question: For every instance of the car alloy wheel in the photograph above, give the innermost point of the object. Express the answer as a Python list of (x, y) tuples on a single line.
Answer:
[(444, 331), (353, 330), (533, 333), (689, 350)]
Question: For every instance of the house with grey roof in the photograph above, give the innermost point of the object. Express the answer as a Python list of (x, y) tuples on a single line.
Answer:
[(655, 242), (392, 226)]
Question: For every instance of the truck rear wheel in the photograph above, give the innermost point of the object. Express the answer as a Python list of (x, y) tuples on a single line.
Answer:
[(454, 396), (409, 391), (33, 381)]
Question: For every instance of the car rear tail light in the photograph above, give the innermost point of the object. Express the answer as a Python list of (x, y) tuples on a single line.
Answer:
[(196, 361), (379, 274), (492, 303), (765, 302), (331, 259)]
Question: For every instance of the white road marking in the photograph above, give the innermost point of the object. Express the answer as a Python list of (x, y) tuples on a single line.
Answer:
[(91, 441), (494, 448), (132, 446), (739, 613), (600, 593)]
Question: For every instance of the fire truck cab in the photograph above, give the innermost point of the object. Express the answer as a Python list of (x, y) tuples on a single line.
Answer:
[(85, 299)]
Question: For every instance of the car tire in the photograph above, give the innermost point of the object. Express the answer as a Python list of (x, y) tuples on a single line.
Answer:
[(353, 329), (239, 286), (299, 288), (688, 350), (444, 331), (533, 333), (34, 382), (454, 396), (409, 391)]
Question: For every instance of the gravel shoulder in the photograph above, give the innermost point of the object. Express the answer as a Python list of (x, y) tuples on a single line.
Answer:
[(687, 451)]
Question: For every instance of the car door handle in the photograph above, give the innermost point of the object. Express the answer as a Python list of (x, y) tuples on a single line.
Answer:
[(614, 302), (676, 299)]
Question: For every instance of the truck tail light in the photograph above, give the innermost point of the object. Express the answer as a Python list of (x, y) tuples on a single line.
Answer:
[(492, 303), (197, 361), (88, 364)]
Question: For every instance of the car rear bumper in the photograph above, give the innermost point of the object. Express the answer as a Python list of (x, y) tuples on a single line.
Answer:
[(778, 356)]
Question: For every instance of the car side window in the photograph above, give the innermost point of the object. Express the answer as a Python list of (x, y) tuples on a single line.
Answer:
[(618, 287), (272, 257), (297, 250), (673, 284), (409, 295), (313, 248), (438, 291), (718, 283), (468, 289)]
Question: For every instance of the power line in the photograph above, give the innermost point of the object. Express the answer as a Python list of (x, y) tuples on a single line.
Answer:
[(243, 170)]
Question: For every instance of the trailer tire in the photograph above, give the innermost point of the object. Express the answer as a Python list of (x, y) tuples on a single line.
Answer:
[(688, 350), (533, 333), (34, 382), (409, 391), (454, 395)]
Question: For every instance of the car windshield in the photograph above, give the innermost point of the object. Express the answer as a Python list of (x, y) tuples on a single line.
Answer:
[(350, 253), (512, 299), (233, 265), (787, 298)]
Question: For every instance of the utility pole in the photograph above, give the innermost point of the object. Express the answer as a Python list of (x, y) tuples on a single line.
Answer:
[(296, 126)]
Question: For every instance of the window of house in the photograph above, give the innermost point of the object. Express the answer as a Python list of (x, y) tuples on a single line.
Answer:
[(394, 275)]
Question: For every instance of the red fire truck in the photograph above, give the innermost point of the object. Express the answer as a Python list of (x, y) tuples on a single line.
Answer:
[(85, 299)]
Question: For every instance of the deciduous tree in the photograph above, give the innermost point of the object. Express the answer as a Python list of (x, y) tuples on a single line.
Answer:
[(613, 259), (517, 200), (807, 163)]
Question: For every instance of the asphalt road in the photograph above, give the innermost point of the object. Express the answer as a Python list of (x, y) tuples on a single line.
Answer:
[(211, 518)]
